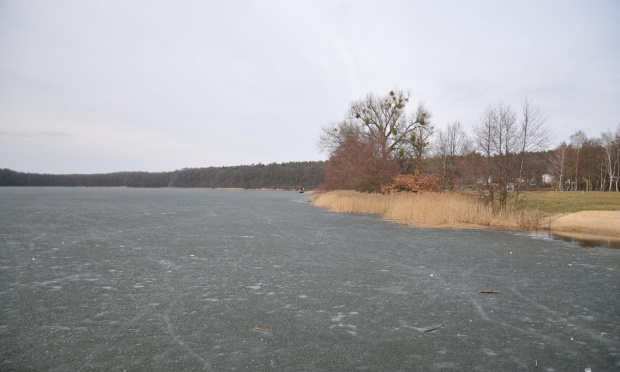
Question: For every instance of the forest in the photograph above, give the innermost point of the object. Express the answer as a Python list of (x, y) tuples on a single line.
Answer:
[(287, 176)]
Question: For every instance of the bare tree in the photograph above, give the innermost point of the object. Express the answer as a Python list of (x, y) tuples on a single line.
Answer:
[(451, 145), (610, 156), (533, 136), (418, 147), (507, 142), (336, 135), (453, 141), (483, 137), (497, 136), (577, 141), (376, 136), (590, 159), (617, 141), (385, 120), (558, 163)]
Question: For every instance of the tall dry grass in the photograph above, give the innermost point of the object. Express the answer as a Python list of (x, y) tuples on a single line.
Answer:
[(429, 209)]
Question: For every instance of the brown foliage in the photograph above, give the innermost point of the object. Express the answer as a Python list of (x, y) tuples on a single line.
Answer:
[(413, 183), (354, 166)]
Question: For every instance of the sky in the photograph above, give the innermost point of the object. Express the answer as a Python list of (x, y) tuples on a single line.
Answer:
[(115, 85)]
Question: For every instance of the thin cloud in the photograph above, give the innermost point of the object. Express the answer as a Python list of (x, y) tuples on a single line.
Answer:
[(24, 134)]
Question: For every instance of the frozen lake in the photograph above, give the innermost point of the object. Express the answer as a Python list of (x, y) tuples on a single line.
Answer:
[(168, 279)]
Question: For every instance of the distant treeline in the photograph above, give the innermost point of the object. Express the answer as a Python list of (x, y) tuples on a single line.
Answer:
[(288, 176)]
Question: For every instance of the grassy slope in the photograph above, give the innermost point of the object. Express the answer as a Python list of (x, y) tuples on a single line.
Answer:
[(571, 201)]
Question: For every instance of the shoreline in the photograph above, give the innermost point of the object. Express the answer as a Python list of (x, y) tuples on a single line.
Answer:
[(601, 223), (594, 223), (573, 230)]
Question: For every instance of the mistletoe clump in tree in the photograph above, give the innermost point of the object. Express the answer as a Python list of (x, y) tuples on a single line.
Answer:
[(388, 135), (385, 119)]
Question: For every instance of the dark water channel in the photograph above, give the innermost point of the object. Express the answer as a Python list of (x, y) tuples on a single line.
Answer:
[(215, 280)]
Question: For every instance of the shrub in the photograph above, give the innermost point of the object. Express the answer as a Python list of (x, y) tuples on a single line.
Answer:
[(413, 183)]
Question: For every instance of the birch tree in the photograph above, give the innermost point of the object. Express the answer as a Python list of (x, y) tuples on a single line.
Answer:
[(558, 163), (577, 141), (610, 157), (533, 136)]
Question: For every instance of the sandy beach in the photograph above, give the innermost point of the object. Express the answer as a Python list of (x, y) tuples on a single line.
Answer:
[(597, 222)]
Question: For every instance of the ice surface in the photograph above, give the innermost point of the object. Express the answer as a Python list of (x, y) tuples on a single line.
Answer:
[(160, 280)]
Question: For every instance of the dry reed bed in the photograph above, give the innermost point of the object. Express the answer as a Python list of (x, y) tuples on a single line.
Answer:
[(428, 209)]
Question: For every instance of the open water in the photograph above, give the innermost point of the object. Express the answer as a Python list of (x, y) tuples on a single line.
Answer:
[(168, 279)]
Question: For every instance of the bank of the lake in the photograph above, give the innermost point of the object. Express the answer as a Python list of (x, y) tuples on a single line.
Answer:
[(594, 222), (455, 210)]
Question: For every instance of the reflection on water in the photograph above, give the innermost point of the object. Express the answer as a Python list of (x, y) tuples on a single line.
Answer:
[(584, 240)]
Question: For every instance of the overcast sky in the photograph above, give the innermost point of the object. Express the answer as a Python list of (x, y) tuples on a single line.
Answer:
[(103, 86)]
